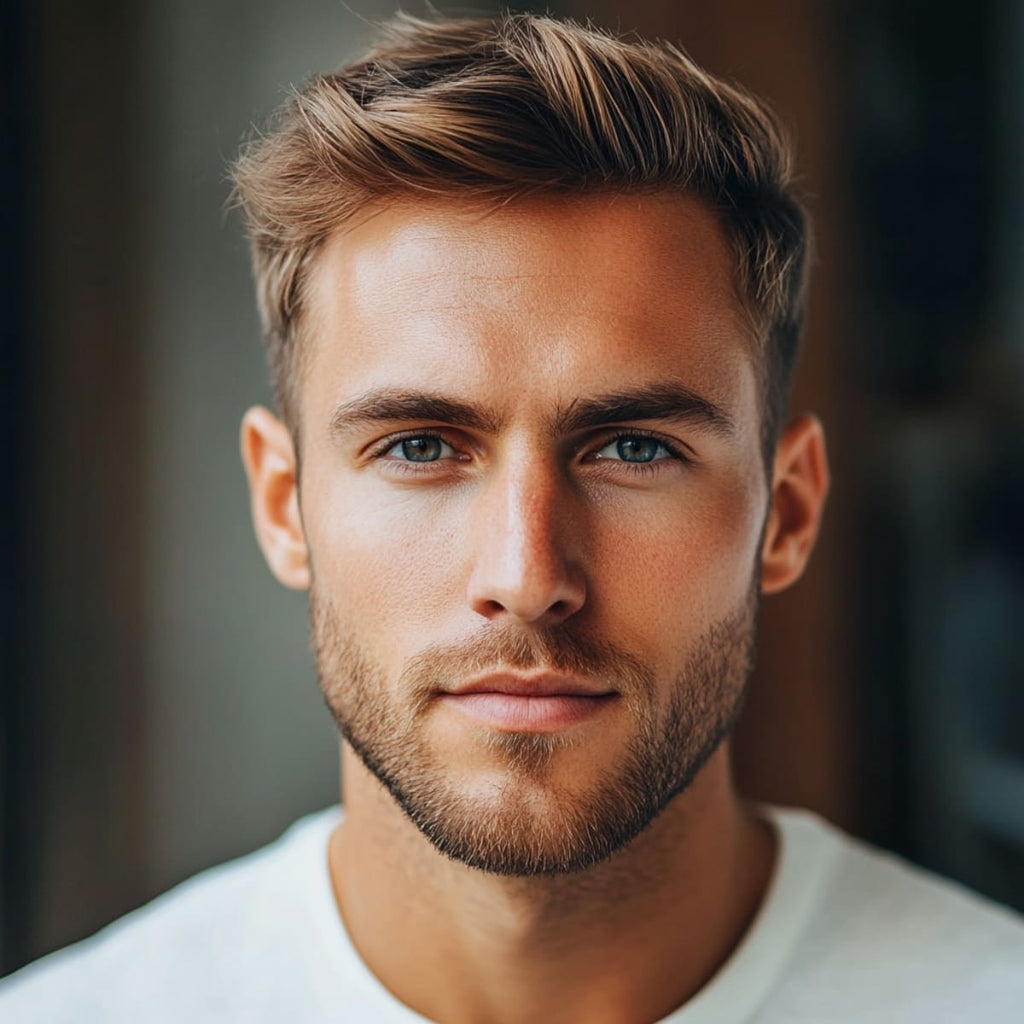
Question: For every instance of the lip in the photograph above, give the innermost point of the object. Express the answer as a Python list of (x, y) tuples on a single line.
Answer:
[(508, 712), (541, 684), (537, 703)]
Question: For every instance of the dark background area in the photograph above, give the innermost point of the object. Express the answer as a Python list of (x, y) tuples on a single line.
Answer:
[(158, 709)]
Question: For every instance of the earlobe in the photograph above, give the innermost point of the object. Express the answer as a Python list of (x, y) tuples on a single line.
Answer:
[(800, 482), (270, 464)]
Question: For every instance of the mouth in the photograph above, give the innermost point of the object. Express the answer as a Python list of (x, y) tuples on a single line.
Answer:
[(536, 703)]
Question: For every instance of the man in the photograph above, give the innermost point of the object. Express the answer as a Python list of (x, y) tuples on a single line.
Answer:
[(532, 297)]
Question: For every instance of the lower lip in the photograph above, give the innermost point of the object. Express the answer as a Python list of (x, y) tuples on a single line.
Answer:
[(515, 713)]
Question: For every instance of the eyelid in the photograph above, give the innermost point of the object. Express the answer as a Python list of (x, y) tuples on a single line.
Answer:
[(676, 448), (378, 449), (587, 447)]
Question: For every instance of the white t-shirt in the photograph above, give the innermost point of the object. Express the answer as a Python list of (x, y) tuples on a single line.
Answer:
[(846, 933)]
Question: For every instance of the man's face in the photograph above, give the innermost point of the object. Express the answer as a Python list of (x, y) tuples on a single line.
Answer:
[(533, 497)]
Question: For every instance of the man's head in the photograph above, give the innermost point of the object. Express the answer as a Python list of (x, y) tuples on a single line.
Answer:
[(533, 513)]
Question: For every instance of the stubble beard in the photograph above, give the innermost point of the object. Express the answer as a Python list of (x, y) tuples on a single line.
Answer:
[(530, 824)]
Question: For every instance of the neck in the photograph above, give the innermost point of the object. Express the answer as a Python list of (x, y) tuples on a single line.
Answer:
[(629, 939)]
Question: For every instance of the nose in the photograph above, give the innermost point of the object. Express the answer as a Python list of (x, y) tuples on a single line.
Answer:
[(524, 539)]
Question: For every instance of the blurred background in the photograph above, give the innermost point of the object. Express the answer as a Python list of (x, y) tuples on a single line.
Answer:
[(159, 710)]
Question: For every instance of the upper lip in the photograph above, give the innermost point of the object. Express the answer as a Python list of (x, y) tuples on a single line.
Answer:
[(544, 684)]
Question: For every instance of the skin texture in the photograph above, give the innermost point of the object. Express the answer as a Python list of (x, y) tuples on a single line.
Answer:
[(498, 532)]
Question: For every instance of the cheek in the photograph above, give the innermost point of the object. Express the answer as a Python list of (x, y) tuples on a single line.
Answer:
[(385, 558), (684, 562)]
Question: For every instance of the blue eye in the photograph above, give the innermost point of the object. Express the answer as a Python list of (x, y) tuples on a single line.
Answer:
[(635, 448), (424, 448)]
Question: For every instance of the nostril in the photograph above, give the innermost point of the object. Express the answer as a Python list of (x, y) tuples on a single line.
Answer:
[(527, 607), (491, 608)]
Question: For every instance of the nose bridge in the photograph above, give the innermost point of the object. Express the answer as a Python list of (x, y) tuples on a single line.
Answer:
[(525, 565)]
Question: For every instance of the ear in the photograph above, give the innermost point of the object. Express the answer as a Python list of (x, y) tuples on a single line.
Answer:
[(799, 488), (270, 464)]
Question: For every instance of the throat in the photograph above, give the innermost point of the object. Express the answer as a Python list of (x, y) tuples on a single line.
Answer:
[(630, 938)]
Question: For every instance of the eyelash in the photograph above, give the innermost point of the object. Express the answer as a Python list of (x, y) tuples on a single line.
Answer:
[(643, 468), (379, 452)]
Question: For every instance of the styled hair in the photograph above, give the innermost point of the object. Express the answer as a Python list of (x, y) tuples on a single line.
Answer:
[(495, 109)]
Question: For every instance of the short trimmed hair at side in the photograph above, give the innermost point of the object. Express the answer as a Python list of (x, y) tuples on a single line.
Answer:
[(496, 109)]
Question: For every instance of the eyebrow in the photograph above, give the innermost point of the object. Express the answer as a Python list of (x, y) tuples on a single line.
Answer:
[(668, 400), (388, 405)]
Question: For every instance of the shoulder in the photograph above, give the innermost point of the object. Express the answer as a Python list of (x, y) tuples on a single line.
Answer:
[(898, 942), (202, 950)]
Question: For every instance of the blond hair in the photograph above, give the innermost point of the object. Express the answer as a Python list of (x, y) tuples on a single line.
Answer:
[(496, 109)]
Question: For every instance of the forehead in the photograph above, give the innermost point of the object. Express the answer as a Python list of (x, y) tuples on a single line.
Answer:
[(541, 297)]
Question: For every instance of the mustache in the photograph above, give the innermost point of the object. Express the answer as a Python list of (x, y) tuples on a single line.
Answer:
[(443, 666)]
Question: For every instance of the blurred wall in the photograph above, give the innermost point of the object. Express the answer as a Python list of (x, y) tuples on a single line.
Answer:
[(239, 742)]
